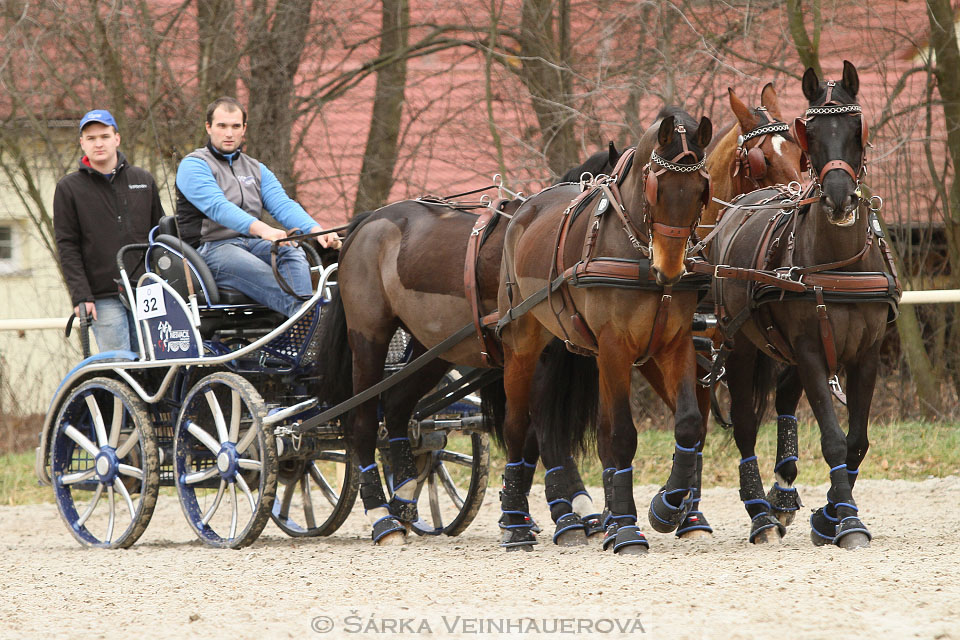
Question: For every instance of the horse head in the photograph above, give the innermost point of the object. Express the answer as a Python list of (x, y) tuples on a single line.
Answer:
[(673, 187), (767, 154), (833, 133)]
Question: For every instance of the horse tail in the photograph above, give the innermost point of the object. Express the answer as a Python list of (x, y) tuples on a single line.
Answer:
[(493, 406), (335, 357), (566, 400), (764, 377)]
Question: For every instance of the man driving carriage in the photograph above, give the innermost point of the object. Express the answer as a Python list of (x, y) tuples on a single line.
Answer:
[(222, 194)]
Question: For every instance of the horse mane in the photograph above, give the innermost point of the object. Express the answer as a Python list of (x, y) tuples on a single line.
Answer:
[(676, 146)]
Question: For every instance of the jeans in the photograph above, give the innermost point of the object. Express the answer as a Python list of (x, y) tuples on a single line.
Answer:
[(244, 264), (114, 328)]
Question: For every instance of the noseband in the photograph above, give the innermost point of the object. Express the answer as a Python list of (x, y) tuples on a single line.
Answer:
[(651, 177)]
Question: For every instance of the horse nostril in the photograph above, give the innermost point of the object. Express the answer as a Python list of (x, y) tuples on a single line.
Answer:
[(851, 202), (828, 201)]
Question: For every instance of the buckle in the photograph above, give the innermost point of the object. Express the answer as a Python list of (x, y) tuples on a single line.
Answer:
[(716, 271)]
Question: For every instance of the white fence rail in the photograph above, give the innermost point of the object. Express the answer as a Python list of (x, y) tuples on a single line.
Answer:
[(934, 296)]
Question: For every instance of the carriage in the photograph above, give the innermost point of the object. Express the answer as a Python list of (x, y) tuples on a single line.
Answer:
[(219, 403)]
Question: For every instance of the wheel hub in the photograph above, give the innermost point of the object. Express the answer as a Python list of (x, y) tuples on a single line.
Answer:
[(106, 465), (227, 461)]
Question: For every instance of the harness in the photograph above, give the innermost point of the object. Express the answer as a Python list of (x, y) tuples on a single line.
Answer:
[(749, 164), (820, 283), (603, 193)]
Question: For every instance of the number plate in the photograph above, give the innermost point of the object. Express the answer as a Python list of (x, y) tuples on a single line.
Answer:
[(150, 301)]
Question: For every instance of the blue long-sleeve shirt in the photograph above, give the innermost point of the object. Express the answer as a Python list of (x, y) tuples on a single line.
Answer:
[(196, 182)]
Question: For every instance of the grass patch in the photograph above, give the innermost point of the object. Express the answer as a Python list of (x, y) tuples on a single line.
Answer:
[(910, 451), (18, 483)]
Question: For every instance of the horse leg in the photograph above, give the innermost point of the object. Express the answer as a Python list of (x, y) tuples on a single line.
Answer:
[(742, 366), (783, 496), (368, 358), (617, 445), (580, 499), (694, 523), (837, 521), (399, 404), (861, 381), (531, 453), (677, 364), (516, 522)]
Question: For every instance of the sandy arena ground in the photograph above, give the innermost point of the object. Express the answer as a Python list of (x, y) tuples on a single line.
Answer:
[(169, 586)]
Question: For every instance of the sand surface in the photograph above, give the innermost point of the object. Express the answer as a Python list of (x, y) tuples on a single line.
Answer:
[(168, 585)]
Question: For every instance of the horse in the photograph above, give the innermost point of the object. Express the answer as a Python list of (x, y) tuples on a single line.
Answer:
[(804, 277), (403, 266), (756, 151), (640, 318)]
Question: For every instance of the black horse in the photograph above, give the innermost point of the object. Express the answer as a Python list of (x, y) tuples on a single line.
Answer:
[(807, 280)]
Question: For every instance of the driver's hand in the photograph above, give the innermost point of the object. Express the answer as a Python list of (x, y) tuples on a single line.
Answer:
[(328, 240), (265, 231), (91, 310)]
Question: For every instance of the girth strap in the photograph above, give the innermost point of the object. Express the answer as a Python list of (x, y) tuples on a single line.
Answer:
[(490, 351)]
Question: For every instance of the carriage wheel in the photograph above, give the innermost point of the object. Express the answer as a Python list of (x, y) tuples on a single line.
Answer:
[(314, 497), (225, 463), (105, 464), (451, 483)]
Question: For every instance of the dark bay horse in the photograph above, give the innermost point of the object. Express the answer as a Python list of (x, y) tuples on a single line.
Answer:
[(635, 229), (809, 283), (757, 151), (403, 266)]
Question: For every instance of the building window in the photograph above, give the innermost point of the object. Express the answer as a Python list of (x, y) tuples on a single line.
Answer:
[(8, 252)]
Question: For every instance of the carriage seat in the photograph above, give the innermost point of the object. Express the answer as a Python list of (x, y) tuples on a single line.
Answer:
[(165, 260)]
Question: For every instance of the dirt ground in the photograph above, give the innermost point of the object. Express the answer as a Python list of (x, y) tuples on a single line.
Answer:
[(168, 585)]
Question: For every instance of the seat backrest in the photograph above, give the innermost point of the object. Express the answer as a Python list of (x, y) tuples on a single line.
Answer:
[(165, 258), (167, 226)]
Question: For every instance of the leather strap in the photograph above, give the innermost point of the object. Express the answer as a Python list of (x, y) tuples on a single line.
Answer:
[(490, 351)]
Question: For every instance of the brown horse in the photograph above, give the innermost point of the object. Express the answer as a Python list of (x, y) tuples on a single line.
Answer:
[(403, 266), (639, 225), (807, 281), (757, 151)]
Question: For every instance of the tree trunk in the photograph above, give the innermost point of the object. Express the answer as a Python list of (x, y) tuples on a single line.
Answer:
[(946, 68), (808, 49), (380, 154), (218, 50), (546, 74), (276, 44)]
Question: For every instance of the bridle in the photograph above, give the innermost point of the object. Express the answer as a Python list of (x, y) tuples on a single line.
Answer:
[(749, 161), (832, 107), (655, 168)]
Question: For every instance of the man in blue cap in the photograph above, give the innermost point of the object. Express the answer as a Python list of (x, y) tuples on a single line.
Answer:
[(103, 205)]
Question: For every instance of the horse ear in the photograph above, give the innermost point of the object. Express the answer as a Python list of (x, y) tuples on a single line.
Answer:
[(768, 98), (614, 155), (665, 134), (704, 132), (740, 110), (851, 80), (811, 84)]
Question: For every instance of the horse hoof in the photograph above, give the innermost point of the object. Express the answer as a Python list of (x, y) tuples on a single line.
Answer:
[(818, 540), (854, 540), (785, 517), (393, 539), (572, 538), (632, 550), (768, 536), (518, 547), (695, 534)]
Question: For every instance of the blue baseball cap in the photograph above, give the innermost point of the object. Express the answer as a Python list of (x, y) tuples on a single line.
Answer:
[(98, 115)]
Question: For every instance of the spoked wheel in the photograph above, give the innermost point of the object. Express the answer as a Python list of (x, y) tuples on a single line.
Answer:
[(105, 465), (314, 497), (225, 464), (451, 483)]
